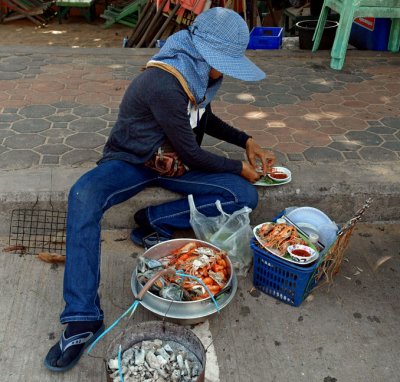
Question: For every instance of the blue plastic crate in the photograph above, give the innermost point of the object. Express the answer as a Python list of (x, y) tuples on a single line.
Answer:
[(265, 38), (276, 277), (370, 33)]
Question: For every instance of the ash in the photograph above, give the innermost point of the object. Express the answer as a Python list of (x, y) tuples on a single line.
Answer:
[(156, 361)]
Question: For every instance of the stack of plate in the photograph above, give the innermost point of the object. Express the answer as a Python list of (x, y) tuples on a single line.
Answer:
[(312, 220)]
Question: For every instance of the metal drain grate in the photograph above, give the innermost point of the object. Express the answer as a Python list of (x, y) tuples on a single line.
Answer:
[(36, 230)]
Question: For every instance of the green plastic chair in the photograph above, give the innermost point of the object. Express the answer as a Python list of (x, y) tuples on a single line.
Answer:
[(348, 11)]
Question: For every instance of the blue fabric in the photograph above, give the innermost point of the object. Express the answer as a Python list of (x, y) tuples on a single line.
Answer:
[(113, 182), (180, 52), (221, 37)]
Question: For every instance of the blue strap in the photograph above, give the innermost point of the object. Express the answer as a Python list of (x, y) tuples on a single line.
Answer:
[(121, 377), (131, 310), (180, 273)]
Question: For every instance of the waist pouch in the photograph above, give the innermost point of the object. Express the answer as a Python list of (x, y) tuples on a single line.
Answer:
[(166, 162)]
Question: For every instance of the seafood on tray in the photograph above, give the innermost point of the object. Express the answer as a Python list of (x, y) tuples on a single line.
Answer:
[(278, 237), (209, 265)]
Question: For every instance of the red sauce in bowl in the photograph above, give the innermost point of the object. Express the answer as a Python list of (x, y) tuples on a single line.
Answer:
[(300, 252), (279, 175)]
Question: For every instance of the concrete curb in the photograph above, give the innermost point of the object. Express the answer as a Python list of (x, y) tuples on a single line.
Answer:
[(337, 190)]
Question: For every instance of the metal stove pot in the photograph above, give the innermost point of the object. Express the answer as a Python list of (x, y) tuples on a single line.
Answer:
[(186, 312)]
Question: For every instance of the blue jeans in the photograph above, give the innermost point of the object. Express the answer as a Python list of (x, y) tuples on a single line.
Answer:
[(113, 182)]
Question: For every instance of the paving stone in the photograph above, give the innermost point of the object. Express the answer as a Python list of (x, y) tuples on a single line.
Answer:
[(37, 111), (5, 134), (393, 145), (388, 137), (224, 146), (85, 140), (210, 141), (237, 155), (351, 155), (90, 111), (231, 87), (3, 149), (60, 125), (317, 88), (322, 154), (66, 104), (233, 99), (10, 110), (12, 67), (62, 117), (50, 159), (377, 154), (110, 117), (18, 159), (10, 76), (364, 138), (24, 141), (348, 78), (31, 125), (374, 123), (88, 124), (345, 146), (79, 157), (282, 99), (391, 122), (53, 149), (106, 132), (9, 117), (381, 130), (295, 157)]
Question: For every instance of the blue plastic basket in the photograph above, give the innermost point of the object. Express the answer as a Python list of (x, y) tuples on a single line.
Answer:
[(281, 279), (265, 38)]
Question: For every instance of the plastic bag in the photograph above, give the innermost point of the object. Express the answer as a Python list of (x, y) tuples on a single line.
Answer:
[(231, 233)]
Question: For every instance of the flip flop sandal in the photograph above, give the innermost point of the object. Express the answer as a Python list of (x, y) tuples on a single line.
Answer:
[(145, 237), (58, 349)]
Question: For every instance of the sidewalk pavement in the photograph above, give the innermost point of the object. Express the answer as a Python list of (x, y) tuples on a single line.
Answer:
[(337, 131)]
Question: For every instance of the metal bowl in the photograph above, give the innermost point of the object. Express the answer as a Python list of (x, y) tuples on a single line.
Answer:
[(183, 311), (163, 249)]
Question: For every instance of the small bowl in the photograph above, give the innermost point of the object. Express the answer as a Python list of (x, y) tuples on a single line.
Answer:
[(280, 174), (301, 253)]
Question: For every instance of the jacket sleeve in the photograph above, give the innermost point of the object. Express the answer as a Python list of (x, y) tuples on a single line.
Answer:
[(169, 105)]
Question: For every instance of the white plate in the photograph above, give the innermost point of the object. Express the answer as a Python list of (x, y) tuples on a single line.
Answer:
[(275, 183), (277, 253), (312, 219)]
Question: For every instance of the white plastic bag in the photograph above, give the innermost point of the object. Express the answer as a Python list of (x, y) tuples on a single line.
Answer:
[(231, 233)]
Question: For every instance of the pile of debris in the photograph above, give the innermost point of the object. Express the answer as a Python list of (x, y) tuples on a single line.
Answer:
[(156, 361)]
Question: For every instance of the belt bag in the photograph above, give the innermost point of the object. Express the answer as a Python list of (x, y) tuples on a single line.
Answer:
[(166, 162)]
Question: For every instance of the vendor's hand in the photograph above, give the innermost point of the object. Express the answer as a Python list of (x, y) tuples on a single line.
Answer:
[(255, 153), (249, 173)]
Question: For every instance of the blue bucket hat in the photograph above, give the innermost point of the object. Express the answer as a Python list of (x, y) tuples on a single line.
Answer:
[(221, 37)]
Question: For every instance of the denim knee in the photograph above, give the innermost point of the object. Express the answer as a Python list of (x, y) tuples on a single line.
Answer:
[(250, 197)]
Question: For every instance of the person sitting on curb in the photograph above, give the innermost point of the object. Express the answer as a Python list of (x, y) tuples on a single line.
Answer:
[(168, 102)]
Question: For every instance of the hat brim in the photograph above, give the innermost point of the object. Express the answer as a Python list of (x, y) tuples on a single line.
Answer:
[(241, 68)]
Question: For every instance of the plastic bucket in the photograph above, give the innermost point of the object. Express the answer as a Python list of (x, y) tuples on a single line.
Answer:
[(306, 29)]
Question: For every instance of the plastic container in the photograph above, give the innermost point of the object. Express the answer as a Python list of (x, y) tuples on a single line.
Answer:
[(306, 29), (278, 278), (370, 33), (265, 38)]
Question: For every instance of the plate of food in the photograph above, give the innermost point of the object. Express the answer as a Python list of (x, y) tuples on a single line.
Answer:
[(277, 176), (277, 237)]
